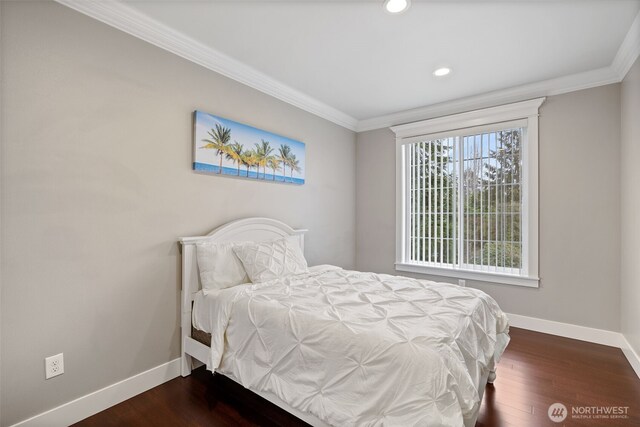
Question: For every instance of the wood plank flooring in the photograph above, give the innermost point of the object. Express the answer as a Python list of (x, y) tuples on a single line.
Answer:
[(535, 371)]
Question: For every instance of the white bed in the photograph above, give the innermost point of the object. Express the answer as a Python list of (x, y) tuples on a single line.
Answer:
[(300, 342)]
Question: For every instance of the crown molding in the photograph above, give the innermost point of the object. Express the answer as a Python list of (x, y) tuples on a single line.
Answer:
[(137, 24), (629, 50), (579, 81), (485, 116), (127, 19), (625, 57)]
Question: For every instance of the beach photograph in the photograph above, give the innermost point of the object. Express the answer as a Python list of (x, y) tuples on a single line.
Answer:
[(225, 147)]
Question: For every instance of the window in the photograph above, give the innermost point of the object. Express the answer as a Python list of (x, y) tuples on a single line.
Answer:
[(467, 195)]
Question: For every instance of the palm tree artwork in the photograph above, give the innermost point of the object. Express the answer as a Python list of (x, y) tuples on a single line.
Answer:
[(263, 150), (285, 154), (225, 147), (294, 165), (234, 153), (218, 140), (249, 159), (274, 163)]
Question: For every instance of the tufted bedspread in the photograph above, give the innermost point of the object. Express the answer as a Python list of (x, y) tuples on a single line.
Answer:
[(357, 348)]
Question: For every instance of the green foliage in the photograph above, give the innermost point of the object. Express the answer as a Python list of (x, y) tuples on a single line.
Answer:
[(434, 171), (491, 202), (502, 254), (508, 158)]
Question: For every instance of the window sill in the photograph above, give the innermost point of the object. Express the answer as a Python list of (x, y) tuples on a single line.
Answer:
[(482, 276)]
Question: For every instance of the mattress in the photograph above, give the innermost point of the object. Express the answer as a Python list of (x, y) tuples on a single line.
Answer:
[(201, 336), (357, 348)]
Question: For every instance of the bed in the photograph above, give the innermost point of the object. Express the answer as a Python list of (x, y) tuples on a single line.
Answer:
[(339, 347)]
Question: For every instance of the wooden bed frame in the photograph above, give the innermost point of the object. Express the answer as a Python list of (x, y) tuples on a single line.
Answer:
[(255, 230)]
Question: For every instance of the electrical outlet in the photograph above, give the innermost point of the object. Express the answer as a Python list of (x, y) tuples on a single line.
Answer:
[(54, 366), (462, 283)]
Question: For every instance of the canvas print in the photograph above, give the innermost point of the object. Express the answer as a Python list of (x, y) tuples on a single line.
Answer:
[(225, 147)]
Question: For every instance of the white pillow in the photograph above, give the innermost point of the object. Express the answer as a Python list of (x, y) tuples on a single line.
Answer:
[(272, 260), (219, 266)]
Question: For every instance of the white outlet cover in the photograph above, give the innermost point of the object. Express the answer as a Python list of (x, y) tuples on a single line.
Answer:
[(54, 366)]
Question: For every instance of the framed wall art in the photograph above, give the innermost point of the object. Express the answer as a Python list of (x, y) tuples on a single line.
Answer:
[(224, 147)]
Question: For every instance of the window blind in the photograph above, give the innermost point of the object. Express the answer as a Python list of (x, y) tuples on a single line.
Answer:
[(464, 201)]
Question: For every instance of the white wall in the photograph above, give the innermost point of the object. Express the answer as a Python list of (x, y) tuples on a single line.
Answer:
[(579, 211), (630, 212), (97, 187)]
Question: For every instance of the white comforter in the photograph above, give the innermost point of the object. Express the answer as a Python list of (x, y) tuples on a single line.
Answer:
[(357, 348)]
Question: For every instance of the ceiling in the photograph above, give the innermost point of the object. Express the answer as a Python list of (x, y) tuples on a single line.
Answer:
[(366, 63)]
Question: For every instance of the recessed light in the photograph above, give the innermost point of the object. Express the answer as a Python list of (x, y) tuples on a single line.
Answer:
[(396, 6), (441, 72)]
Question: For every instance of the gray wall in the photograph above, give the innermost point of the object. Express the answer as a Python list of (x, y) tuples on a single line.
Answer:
[(97, 187), (579, 211), (630, 212)]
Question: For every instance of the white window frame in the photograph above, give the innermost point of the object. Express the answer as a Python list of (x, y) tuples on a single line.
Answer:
[(527, 113)]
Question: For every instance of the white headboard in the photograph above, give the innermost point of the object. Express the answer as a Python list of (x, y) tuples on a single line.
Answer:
[(242, 230)]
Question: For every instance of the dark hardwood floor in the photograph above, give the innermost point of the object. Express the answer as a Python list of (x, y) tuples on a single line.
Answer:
[(535, 371)]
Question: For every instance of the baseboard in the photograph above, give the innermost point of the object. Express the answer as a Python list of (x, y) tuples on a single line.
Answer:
[(582, 333), (631, 355), (102, 399), (109, 396)]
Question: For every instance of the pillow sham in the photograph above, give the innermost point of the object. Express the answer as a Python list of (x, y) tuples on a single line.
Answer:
[(272, 260), (219, 266)]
